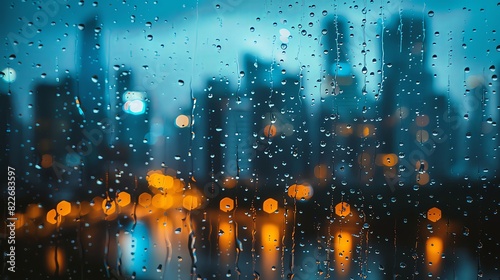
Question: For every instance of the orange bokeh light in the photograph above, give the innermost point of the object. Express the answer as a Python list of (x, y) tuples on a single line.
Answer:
[(386, 160), (145, 199), (270, 205), (226, 204), (434, 214), (300, 191), (63, 208), (123, 199), (162, 201), (108, 206), (191, 202), (342, 209), (270, 130), (51, 216), (422, 179)]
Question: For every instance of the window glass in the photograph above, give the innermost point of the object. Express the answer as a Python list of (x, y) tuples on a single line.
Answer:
[(233, 139)]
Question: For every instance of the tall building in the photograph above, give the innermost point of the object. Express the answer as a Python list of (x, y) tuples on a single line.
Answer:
[(91, 94), (59, 138), (413, 129), (334, 127)]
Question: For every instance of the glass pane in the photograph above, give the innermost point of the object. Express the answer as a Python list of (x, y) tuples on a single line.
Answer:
[(234, 139)]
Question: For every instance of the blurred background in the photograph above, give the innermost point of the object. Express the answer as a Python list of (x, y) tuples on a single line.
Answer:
[(251, 140)]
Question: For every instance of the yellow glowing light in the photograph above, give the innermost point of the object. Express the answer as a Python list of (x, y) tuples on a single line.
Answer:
[(422, 120), (300, 191), (46, 161), (365, 130), (270, 205), (433, 252), (162, 201), (270, 237), (270, 130), (191, 202), (320, 171), (386, 159), (123, 199), (343, 248), (51, 216), (108, 206), (226, 204), (182, 121), (422, 136), (63, 208), (156, 180), (178, 185), (342, 209), (145, 199), (55, 260), (96, 203), (434, 214), (422, 179), (226, 236)]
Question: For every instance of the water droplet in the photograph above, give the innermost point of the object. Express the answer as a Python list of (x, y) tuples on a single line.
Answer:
[(465, 231), (149, 37), (81, 26), (181, 82), (430, 13), (95, 79), (12, 56)]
